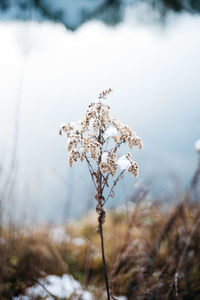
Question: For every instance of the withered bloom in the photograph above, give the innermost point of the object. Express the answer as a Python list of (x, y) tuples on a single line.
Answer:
[(96, 139)]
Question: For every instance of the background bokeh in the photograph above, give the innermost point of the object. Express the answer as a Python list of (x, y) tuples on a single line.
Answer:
[(55, 57)]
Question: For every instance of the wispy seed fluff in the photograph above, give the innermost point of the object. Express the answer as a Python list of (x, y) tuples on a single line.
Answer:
[(97, 138)]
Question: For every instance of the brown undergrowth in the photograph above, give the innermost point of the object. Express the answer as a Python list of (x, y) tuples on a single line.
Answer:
[(151, 254)]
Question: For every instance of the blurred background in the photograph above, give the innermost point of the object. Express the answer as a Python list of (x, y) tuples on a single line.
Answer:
[(55, 57)]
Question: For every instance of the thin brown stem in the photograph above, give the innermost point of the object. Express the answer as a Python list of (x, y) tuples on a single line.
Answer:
[(117, 146), (91, 170), (46, 290), (105, 181), (101, 213), (113, 186), (103, 257)]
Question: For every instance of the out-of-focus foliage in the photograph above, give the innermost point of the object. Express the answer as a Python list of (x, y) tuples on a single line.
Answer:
[(150, 253)]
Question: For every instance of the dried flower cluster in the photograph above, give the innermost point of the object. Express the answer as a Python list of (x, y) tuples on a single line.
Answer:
[(91, 137), (96, 139), (108, 163)]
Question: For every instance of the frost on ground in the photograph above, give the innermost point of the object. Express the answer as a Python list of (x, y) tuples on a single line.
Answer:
[(61, 287)]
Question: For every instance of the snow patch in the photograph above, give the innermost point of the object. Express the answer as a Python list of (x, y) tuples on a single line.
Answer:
[(104, 157), (123, 163), (61, 287), (110, 132), (78, 241), (197, 145), (58, 235)]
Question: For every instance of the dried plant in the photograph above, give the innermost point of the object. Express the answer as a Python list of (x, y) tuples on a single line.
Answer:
[(96, 139)]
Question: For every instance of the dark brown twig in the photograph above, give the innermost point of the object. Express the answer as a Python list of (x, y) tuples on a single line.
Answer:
[(103, 254), (46, 290), (113, 186)]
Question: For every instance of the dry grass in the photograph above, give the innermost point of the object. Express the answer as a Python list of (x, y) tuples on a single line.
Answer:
[(151, 254)]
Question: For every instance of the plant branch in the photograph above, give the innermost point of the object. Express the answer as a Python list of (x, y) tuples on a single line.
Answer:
[(105, 181), (117, 146), (101, 213), (91, 170), (113, 186), (46, 290)]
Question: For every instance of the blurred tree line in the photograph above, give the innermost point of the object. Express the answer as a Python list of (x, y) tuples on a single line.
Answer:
[(110, 12)]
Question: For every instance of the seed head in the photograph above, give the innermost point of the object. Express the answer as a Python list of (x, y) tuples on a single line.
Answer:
[(97, 137)]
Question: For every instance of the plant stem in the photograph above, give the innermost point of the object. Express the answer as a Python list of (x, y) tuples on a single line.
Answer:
[(101, 213), (104, 260)]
